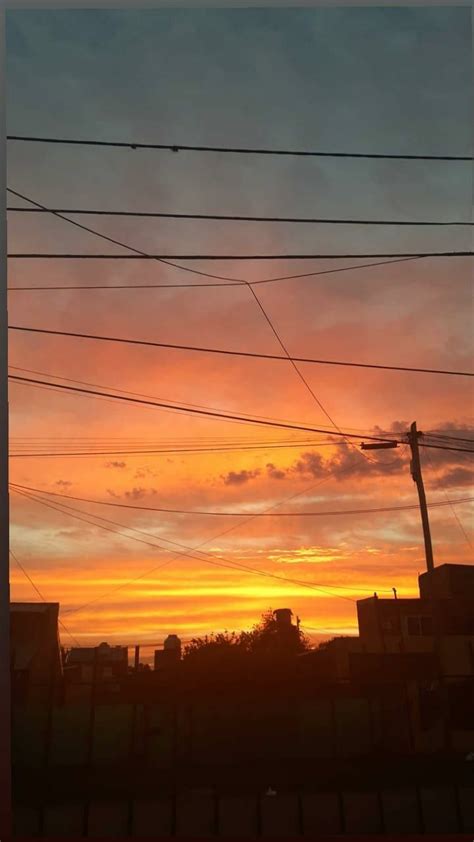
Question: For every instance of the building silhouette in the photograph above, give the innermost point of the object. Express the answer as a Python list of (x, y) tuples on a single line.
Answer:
[(36, 662)]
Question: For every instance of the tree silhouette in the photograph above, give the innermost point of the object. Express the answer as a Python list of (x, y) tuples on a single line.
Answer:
[(268, 639)]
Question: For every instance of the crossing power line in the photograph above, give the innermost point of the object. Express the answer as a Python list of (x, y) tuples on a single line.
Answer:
[(37, 590), (218, 561), (188, 552), (202, 412), (189, 269), (228, 416), (240, 218), (233, 282), (238, 525), (319, 513), (247, 257), (228, 352)]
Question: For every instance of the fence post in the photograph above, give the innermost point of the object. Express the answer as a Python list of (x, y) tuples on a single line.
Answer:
[(131, 748), (133, 722), (90, 741), (370, 709), (421, 819), (216, 815), (85, 818), (457, 805), (333, 727), (130, 816), (300, 814), (381, 811), (174, 811), (93, 701), (49, 716), (258, 815), (342, 814)]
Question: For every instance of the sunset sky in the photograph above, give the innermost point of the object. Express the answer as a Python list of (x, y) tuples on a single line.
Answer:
[(363, 80)]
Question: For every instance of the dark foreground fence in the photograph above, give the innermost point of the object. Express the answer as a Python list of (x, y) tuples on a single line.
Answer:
[(222, 764), (208, 813)]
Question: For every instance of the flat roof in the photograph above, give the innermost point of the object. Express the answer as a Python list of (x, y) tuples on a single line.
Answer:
[(34, 607)]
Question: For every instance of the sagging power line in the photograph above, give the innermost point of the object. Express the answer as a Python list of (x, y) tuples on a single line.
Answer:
[(236, 150), (180, 266), (337, 512), (228, 352), (239, 218), (247, 257), (188, 552), (226, 416)]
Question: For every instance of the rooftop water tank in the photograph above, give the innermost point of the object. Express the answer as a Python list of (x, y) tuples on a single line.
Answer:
[(172, 642), (283, 616)]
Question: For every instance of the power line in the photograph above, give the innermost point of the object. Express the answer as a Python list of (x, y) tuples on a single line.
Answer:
[(240, 514), (108, 239), (297, 370), (453, 510), (235, 281), (172, 410), (249, 416), (173, 147), (435, 435), (163, 257), (228, 352), (234, 449), (177, 410), (190, 553), (236, 218), (198, 411), (447, 447), (27, 575), (136, 251), (227, 531), (76, 389)]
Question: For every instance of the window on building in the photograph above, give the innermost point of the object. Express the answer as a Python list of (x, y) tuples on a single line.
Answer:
[(419, 626)]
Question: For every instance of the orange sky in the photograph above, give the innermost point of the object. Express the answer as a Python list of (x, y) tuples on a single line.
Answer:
[(417, 313), (75, 562)]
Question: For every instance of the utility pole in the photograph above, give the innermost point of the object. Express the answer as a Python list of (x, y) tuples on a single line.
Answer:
[(415, 468), (5, 686)]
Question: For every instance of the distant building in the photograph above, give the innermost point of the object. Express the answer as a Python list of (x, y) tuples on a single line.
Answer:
[(170, 655), (331, 660), (35, 650), (109, 663), (426, 645), (440, 621)]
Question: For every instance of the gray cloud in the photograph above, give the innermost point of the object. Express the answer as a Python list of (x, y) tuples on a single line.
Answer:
[(239, 477), (135, 493), (139, 493), (141, 473), (115, 464), (274, 472), (454, 478), (63, 483), (309, 464)]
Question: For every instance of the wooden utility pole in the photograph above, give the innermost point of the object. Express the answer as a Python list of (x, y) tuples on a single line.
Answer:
[(418, 479)]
